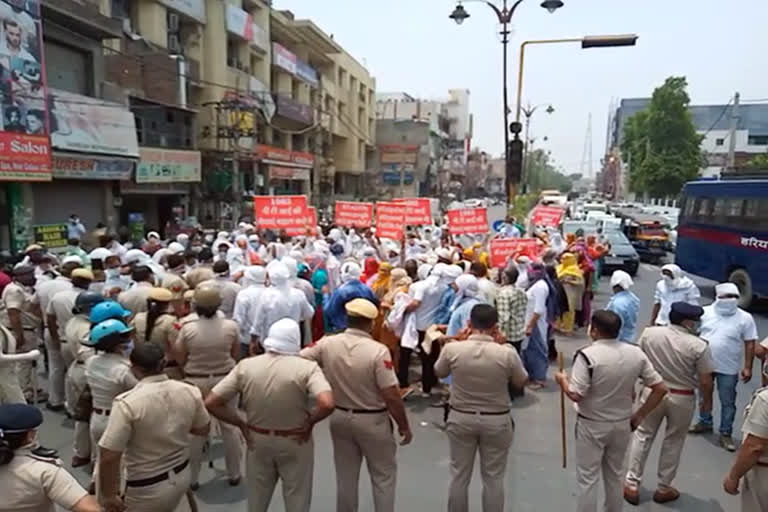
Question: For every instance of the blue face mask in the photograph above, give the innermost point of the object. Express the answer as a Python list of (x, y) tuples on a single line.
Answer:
[(128, 348)]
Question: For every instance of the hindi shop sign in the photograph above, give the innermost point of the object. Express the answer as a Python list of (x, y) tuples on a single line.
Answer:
[(417, 211), (390, 220), (353, 215), (504, 248), (547, 216), (280, 212), (468, 221), (53, 236), (158, 165)]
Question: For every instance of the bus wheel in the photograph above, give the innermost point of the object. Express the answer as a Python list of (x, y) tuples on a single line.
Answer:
[(741, 279)]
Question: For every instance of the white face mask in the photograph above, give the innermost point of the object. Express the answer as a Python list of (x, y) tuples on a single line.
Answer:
[(112, 273), (727, 306)]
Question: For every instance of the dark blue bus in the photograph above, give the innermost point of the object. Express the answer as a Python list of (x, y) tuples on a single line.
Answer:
[(722, 234)]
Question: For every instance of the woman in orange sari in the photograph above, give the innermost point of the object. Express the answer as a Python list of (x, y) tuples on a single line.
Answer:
[(398, 281)]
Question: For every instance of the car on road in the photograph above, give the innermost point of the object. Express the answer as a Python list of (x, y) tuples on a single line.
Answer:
[(622, 256), (572, 226)]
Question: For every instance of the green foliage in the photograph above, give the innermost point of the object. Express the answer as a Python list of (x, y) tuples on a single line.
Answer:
[(758, 162), (660, 145), (542, 175)]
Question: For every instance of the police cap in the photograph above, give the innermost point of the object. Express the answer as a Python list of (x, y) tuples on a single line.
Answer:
[(362, 308), (208, 297), (18, 418), (686, 311)]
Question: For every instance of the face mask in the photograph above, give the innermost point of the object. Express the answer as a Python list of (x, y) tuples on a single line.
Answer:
[(112, 273), (694, 328), (128, 348), (727, 307)]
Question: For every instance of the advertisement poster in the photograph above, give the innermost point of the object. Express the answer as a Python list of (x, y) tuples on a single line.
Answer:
[(417, 211), (53, 236), (157, 165), (390, 220), (353, 215), (280, 212), (504, 248), (547, 216), (468, 221), (25, 152)]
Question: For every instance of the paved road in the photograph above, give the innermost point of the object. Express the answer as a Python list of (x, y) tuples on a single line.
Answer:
[(535, 480)]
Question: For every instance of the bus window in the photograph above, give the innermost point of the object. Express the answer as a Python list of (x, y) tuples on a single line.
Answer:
[(719, 208), (688, 210), (704, 208), (750, 210)]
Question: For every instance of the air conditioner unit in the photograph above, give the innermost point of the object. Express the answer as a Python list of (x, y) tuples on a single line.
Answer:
[(173, 43), (173, 23)]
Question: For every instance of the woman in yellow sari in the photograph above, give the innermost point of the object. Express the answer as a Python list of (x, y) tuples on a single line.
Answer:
[(380, 282), (572, 278), (398, 281)]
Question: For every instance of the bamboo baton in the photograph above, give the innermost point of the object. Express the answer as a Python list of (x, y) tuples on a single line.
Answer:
[(562, 415)]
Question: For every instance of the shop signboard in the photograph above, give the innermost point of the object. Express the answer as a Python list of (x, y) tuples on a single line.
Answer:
[(390, 220), (399, 154), (307, 73), (280, 212), (260, 38), (283, 58), (393, 177), (90, 125), (195, 9), (504, 248), (547, 216), (239, 22), (25, 151), (81, 168), (468, 221), (279, 172), (270, 154), (353, 215), (159, 165), (53, 236), (417, 210), (293, 110)]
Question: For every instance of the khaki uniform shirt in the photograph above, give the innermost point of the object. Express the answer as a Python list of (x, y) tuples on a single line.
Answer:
[(175, 283), (357, 366), (46, 290), (208, 342), (607, 388), (16, 296), (480, 369), (678, 356), (77, 330), (228, 290), (61, 306), (164, 332), (275, 389), (197, 275), (36, 484), (151, 425), (134, 299), (108, 375), (756, 419)]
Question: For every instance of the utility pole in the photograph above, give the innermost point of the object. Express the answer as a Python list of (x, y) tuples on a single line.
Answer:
[(732, 132)]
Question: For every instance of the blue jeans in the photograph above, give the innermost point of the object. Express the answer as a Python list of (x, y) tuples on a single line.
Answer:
[(726, 391)]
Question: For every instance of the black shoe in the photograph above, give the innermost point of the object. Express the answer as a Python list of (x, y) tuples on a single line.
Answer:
[(234, 482), (195, 486), (47, 453), (54, 408)]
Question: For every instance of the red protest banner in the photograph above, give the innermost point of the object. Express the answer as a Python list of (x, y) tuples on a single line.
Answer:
[(468, 221), (390, 220), (310, 223), (353, 215), (280, 212), (504, 248), (547, 216), (417, 210)]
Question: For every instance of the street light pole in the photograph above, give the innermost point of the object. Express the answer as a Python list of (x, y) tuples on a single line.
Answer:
[(528, 112)]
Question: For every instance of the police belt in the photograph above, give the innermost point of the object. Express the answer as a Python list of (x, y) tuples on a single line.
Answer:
[(204, 375), (102, 412), (481, 413), (144, 482), (361, 411), (275, 432)]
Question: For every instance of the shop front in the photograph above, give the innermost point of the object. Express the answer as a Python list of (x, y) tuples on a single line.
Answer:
[(285, 172)]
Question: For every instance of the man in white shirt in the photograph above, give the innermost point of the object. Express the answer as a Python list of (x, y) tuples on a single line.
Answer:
[(488, 289), (674, 286), (731, 334), (536, 351)]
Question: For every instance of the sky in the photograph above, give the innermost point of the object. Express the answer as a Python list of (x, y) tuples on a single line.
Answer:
[(412, 46)]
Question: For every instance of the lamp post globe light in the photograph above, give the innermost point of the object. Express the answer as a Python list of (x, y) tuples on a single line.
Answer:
[(504, 13)]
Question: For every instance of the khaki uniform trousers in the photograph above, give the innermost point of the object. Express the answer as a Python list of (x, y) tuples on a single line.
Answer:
[(167, 496), (273, 457), (75, 384), (600, 449), (678, 410), (10, 391), (230, 435), (490, 435), (26, 369), (356, 436), (56, 369), (754, 494)]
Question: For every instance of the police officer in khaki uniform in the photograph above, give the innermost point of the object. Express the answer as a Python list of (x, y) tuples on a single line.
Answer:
[(206, 350), (29, 482), (10, 391), (274, 388), (134, 299), (226, 286), (158, 323), (367, 393), (481, 368), (601, 385), (752, 457), (685, 364), (203, 271), (149, 430), (20, 313)]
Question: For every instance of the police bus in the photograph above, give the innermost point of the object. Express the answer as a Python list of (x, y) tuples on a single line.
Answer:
[(723, 233)]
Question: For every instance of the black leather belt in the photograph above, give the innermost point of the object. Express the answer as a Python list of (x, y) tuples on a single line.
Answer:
[(205, 376), (361, 411), (144, 482), (481, 413)]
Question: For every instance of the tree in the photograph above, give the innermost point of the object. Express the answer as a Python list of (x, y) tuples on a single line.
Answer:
[(758, 162), (542, 175), (660, 145)]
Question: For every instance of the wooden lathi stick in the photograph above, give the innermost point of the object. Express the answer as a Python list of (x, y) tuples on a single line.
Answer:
[(562, 415)]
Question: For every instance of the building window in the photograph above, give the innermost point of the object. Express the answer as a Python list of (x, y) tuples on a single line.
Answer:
[(295, 89), (719, 142), (67, 68), (233, 53), (757, 140)]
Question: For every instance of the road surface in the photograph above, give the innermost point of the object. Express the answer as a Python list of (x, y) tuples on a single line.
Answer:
[(535, 480)]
